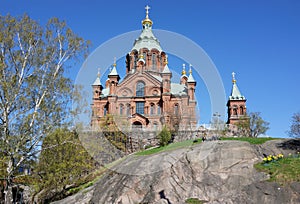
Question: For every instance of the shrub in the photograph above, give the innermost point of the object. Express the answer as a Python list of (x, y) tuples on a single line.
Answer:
[(164, 136)]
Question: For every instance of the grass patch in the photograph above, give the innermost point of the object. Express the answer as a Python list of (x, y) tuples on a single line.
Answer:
[(283, 171), (194, 201), (168, 147), (251, 140), (89, 181)]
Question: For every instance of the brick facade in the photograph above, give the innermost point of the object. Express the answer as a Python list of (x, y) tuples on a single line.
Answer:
[(146, 97)]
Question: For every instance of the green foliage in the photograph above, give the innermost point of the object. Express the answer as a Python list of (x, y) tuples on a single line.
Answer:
[(295, 127), (62, 162), (35, 95), (243, 126), (164, 136), (112, 132), (282, 171), (259, 140), (252, 125)]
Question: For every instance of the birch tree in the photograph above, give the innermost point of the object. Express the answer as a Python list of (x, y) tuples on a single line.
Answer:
[(295, 126), (34, 91)]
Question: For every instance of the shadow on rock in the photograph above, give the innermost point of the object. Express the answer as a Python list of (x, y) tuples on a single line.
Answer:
[(293, 144)]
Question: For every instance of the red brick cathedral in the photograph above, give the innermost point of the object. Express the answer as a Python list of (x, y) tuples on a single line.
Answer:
[(146, 97)]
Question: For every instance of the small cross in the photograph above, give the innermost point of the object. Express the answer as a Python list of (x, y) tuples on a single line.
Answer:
[(147, 10), (98, 72), (115, 62), (233, 75)]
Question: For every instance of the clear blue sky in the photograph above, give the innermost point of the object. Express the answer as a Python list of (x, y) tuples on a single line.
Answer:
[(259, 40)]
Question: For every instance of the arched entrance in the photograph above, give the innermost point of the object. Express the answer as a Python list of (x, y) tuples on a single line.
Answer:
[(137, 134), (136, 125)]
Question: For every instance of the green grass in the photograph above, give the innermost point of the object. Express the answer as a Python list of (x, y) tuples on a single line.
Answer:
[(251, 140), (282, 171), (187, 143), (168, 147), (93, 177), (194, 201)]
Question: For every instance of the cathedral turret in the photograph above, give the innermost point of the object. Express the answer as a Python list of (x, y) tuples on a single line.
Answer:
[(141, 63), (236, 104), (97, 86), (146, 38), (113, 79), (191, 84), (183, 78), (166, 77)]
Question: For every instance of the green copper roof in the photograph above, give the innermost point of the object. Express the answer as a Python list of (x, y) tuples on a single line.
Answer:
[(113, 72), (178, 89), (97, 82), (235, 93), (166, 69), (191, 78), (147, 38)]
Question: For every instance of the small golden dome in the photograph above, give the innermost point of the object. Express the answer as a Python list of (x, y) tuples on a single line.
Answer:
[(147, 20), (166, 60), (141, 56)]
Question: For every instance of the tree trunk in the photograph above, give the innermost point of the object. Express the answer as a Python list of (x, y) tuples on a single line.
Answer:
[(8, 199), (8, 195)]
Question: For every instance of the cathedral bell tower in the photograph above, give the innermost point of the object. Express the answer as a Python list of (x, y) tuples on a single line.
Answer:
[(113, 79), (97, 86), (191, 84), (236, 104)]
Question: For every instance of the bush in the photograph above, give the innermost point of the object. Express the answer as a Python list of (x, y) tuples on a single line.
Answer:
[(164, 136)]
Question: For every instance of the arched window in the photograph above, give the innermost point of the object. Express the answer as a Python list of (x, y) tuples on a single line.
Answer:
[(121, 109), (128, 112), (140, 107), (158, 109), (153, 61), (242, 110), (105, 111), (235, 110), (176, 109), (140, 89), (152, 109), (135, 60)]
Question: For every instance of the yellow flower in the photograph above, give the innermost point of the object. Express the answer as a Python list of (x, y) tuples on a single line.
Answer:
[(280, 155)]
